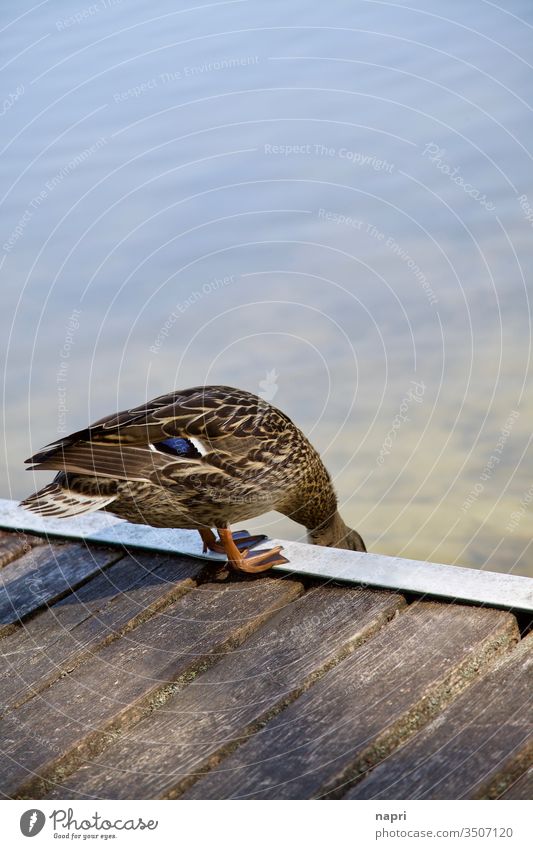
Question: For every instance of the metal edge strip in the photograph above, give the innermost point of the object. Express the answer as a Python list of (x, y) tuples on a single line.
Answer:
[(455, 583)]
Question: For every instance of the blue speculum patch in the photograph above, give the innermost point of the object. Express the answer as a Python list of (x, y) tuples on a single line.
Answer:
[(178, 446)]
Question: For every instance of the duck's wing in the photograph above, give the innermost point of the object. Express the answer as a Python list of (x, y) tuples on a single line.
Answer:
[(217, 414), (133, 463), (203, 429)]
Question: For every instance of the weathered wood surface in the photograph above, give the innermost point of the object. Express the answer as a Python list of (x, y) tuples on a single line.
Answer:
[(58, 638), (522, 788), (222, 707), (45, 573), (126, 678), (161, 676), (474, 749), (365, 707)]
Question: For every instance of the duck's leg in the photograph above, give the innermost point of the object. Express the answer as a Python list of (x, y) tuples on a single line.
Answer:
[(244, 561), (242, 539), (209, 540)]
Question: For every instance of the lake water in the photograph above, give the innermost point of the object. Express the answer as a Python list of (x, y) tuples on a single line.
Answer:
[(330, 204)]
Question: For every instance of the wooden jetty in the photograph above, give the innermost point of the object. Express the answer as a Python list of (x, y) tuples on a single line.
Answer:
[(129, 673)]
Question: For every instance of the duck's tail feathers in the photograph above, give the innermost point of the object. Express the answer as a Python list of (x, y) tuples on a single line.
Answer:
[(57, 501)]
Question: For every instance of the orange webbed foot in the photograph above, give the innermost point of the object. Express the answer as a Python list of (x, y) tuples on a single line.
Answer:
[(246, 561)]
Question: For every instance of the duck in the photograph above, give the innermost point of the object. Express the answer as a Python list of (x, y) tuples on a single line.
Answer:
[(203, 458)]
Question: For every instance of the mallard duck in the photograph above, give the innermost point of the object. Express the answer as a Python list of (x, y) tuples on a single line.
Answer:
[(200, 458)]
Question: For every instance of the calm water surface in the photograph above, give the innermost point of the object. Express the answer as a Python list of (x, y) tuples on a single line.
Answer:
[(324, 203)]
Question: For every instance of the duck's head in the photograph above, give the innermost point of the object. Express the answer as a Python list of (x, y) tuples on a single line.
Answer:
[(335, 533)]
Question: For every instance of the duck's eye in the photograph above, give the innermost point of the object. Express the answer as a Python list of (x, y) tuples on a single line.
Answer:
[(178, 446)]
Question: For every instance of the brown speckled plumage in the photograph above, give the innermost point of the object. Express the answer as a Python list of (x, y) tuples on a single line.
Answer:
[(239, 457)]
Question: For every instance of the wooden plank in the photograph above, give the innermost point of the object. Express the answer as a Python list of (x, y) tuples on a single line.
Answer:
[(475, 749), (220, 708), (522, 788), (59, 638), (365, 707), (43, 575), (80, 713)]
